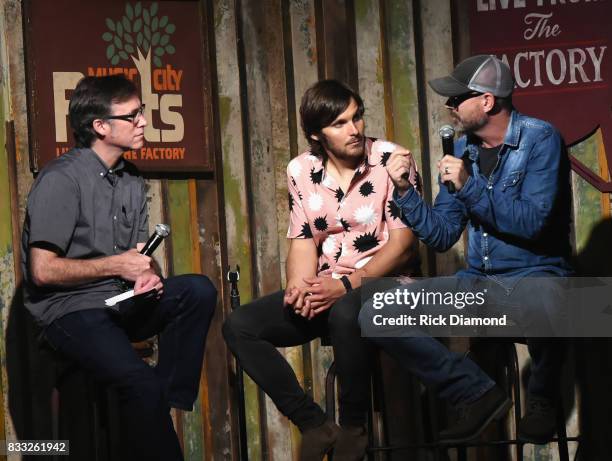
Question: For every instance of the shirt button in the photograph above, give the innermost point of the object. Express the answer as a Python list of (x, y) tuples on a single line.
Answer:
[(489, 187), (486, 258), (115, 247), (101, 174), (115, 218), (485, 235)]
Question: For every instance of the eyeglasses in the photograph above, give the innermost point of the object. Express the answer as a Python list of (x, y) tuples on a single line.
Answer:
[(455, 101), (134, 117)]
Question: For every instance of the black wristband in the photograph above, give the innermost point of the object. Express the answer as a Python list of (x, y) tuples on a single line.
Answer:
[(347, 283)]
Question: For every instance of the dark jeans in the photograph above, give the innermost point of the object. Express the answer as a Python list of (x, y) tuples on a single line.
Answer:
[(254, 331), (99, 340)]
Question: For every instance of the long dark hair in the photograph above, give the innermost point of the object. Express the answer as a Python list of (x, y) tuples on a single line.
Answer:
[(321, 105)]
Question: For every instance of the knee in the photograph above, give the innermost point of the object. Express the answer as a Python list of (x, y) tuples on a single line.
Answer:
[(366, 314), (202, 292), (235, 326)]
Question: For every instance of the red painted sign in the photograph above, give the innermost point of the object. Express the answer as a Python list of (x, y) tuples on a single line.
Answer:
[(156, 44), (559, 52)]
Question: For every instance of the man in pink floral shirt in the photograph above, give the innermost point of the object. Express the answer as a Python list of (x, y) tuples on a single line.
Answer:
[(343, 226)]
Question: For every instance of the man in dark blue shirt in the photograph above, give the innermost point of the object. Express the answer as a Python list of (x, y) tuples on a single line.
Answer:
[(510, 188)]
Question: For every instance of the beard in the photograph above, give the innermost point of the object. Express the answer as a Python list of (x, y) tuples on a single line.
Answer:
[(468, 125), (351, 151)]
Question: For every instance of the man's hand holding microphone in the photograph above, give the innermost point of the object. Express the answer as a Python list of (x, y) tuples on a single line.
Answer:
[(402, 167), (136, 266)]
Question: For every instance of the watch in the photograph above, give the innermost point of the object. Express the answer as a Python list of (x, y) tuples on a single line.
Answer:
[(347, 283)]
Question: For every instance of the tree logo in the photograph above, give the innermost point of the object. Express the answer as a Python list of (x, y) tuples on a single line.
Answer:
[(139, 30), (144, 37)]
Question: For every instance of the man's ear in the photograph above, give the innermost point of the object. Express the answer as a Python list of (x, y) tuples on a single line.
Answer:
[(314, 136), (488, 102), (100, 127)]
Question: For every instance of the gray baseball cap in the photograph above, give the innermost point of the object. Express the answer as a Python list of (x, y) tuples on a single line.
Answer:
[(483, 73)]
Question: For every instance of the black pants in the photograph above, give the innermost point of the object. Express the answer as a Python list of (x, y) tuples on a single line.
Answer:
[(99, 341), (254, 331)]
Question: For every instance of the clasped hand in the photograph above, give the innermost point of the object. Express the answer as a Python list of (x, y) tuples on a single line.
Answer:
[(315, 296)]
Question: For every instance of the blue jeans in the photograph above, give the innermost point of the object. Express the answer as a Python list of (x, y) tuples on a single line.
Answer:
[(536, 301), (454, 376), (99, 341)]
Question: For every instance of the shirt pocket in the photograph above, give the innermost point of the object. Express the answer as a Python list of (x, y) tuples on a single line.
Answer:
[(511, 181), (127, 228)]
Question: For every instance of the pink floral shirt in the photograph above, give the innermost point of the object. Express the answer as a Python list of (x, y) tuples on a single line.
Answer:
[(348, 227)]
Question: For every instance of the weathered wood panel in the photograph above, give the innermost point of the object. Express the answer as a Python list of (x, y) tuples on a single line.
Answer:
[(261, 34), (184, 246), (370, 65), (267, 54), (436, 32), (237, 224), (8, 203)]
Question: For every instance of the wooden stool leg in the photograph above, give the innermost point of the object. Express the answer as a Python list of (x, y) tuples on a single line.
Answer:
[(330, 392), (561, 434)]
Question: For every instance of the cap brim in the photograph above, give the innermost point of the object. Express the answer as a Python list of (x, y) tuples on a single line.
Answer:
[(448, 86)]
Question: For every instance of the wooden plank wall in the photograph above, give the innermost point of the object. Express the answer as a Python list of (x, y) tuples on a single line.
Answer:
[(264, 54)]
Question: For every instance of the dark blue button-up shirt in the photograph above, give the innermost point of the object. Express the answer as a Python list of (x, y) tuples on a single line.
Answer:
[(518, 218)]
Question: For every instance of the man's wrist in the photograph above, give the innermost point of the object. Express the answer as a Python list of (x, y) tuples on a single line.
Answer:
[(348, 286), (401, 191)]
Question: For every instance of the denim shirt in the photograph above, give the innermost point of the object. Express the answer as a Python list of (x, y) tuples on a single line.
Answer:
[(518, 218)]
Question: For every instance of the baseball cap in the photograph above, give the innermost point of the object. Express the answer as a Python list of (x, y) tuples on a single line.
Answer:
[(483, 73)]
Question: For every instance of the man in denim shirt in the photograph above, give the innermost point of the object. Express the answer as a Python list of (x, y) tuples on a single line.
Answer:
[(508, 182)]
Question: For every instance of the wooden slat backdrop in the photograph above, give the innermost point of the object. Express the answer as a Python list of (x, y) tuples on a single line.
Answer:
[(264, 55)]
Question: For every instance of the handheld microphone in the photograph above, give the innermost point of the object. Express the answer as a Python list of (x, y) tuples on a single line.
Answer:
[(161, 232), (447, 135)]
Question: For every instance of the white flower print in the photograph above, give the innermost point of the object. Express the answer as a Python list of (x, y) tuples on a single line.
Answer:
[(365, 215), (386, 146), (315, 202), (329, 245), (336, 276), (362, 262), (295, 168), (328, 181)]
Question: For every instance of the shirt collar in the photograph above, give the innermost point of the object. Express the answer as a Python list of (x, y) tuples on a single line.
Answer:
[(100, 167), (511, 138), (513, 132)]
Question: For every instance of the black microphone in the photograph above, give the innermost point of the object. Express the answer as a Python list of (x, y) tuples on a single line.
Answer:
[(447, 135), (161, 232)]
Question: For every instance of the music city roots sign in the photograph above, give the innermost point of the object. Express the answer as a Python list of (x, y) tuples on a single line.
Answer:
[(559, 52), (158, 45)]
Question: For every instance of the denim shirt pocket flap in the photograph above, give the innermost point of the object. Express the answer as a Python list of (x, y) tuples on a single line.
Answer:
[(511, 180)]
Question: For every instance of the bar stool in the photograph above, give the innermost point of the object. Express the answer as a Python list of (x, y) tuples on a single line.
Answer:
[(511, 382), (97, 420), (378, 440)]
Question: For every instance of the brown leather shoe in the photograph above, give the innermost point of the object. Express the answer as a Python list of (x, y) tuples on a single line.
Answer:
[(318, 441), (351, 444)]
